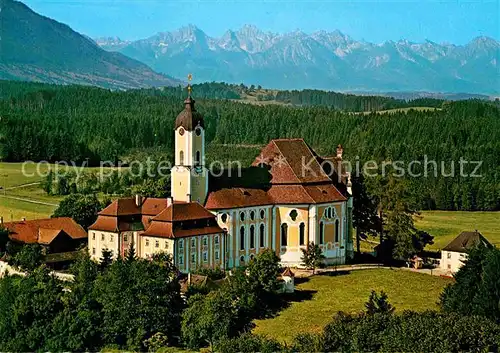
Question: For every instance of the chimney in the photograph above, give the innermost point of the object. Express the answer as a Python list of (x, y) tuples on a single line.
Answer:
[(138, 200), (340, 150), (170, 201), (188, 197)]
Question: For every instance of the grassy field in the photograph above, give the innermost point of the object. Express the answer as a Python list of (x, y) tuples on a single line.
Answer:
[(323, 295), (446, 225), (14, 210), (21, 194), (397, 110)]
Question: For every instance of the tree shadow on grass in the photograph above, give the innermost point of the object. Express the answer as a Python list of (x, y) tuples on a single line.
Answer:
[(283, 301), (299, 280), (334, 273)]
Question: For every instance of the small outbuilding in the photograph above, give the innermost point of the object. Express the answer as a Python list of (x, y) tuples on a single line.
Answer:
[(454, 254), (288, 278), (55, 235)]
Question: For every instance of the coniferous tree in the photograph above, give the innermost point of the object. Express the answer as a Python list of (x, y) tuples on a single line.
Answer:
[(312, 256), (106, 259), (378, 304), (131, 253)]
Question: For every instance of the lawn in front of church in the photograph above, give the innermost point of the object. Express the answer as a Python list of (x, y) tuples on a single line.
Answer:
[(321, 296)]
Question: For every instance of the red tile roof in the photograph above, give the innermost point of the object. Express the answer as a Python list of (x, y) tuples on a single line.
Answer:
[(183, 212), (297, 177), (169, 230), (277, 194), (292, 161), (157, 219), (289, 194), (288, 272), (127, 207), (45, 236), (323, 193), (152, 206), (237, 197), (169, 223), (34, 231), (105, 223)]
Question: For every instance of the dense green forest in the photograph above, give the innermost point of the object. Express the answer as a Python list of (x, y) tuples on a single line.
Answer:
[(42, 122), (351, 102), (307, 97)]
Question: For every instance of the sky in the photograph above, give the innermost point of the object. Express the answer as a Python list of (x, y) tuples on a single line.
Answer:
[(375, 21)]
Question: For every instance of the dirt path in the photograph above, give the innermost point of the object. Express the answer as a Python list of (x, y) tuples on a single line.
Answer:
[(30, 201), (21, 186)]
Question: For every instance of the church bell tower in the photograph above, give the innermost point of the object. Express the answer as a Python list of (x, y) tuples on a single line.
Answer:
[(189, 176)]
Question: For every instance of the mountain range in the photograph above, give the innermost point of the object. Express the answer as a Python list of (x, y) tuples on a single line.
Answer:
[(321, 60), (37, 48)]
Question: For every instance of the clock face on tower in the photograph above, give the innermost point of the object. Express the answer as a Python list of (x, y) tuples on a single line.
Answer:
[(181, 131)]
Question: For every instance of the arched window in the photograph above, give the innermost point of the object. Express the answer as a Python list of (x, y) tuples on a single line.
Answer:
[(284, 234), (262, 214), (329, 212), (321, 233), (252, 236), (302, 233), (337, 231), (181, 158), (242, 216), (242, 238), (242, 259), (252, 215), (198, 158), (262, 241)]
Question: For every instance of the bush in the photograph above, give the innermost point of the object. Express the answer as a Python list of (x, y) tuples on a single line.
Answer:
[(476, 289), (212, 273), (407, 332), (28, 258), (249, 343), (308, 342)]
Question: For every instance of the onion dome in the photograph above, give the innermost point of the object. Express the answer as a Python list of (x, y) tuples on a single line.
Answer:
[(189, 118)]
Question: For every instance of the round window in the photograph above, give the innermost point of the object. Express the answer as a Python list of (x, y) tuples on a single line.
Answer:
[(181, 131), (197, 131), (293, 215), (224, 217)]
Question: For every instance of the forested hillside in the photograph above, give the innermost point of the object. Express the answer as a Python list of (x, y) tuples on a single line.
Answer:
[(75, 123), (306, 97)]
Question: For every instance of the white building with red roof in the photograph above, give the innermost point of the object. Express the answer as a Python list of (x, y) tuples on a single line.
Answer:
[(288, 197)]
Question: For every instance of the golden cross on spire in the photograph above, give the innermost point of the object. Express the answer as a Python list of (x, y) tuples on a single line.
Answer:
[(190, 77)]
